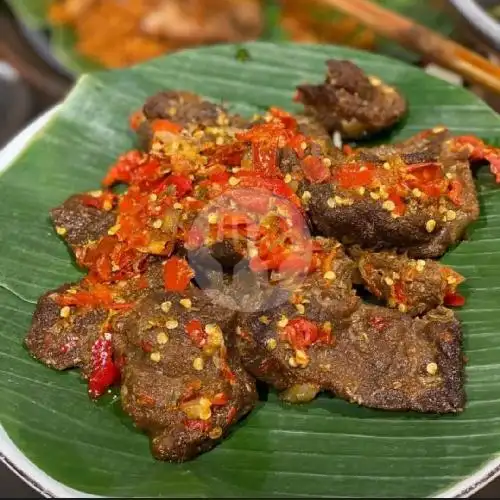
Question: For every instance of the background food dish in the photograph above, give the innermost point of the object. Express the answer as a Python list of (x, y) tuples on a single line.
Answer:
[(385, 440), (86, 35)]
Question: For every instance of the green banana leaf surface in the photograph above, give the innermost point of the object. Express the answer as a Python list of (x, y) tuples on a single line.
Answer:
[(63, 40), (326, 448)]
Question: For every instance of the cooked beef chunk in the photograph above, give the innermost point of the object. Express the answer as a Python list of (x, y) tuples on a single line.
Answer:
[(375, 357), (413, 286), (182, 381), (68, 320), (63, 337), (79, 223), (351, 102), (379, 198), (187, 110)]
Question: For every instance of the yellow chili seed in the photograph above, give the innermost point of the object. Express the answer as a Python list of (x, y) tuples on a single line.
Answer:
[(65, 312), (198, 364), (430, 225), (432, 368), (162, 338), (155, 357)]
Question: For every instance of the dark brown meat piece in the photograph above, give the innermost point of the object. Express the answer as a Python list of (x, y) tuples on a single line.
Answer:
[(185, 390), (413, 286), (63, 338), (366, 217), (80, 224), (376, 357), (189, 111), (352, 103)]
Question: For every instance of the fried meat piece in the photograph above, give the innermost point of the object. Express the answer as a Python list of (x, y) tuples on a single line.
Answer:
[(182, 381), (375, 357), (69, 320), (60, 337), (417, 196), (413, 286), (185, 110), (84, 218), (351, 102)]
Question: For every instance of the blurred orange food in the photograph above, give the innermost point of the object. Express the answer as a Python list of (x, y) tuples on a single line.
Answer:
[(119, 33)]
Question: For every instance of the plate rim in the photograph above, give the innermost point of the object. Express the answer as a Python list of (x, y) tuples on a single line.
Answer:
[(17, 462)]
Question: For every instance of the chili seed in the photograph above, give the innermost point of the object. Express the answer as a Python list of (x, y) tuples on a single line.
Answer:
[(432, 368), (283, 321), (65, 312), (186, 303), (388, 205), (331, 203), (198, 364), (171, 324), (155, 357), (162, 338), (430, 225), (61, 231), (264, 320), (271, 344), (165, 306), (329, 275), (301, 358), (215, 433), (389, 281), (113, 229), (451, 215), (300, 308)]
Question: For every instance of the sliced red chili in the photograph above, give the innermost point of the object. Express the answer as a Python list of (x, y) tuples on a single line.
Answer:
[(197, 425), (104, 372), (300, 333), (354, 175), (177, 274), (136, 119), (220, 399), (454, 300), (161, 125), (455, 189), (183, 185), (399, 292), (122, 170), (314, 169), (196, 333)]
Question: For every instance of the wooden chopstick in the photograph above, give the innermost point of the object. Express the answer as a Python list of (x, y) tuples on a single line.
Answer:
[(434, 47)]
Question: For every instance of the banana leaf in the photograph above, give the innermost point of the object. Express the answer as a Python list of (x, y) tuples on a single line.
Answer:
[(326, 448), (63, 41)]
